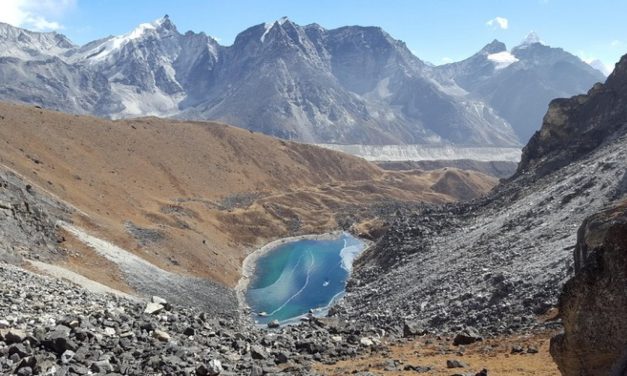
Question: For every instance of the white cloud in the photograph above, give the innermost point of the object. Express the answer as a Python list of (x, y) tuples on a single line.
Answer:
[(447, 60), (37, 15), (498, 22), (616, 43)]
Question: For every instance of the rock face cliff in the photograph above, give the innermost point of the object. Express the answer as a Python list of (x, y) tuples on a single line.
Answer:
[(574, 127), (593, 304), (498, 261)]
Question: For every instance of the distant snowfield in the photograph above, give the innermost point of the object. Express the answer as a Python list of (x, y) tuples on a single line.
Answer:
[(395, 153)]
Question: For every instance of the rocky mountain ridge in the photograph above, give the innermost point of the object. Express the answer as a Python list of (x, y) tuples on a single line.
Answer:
[(354, 85), (519, 83), (497, 262)]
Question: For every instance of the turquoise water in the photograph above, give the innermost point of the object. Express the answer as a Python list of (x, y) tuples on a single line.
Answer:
[(301, 275)]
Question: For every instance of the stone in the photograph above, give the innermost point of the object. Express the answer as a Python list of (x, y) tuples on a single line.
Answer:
[(153, 308), (14, 336), (274, 324), (24, 371), (67, 356), (19, 349), (161, 335), (58, 340), (413, 328), (418, 369), (281, 357), (256, 370), (4, 324), (466, 337), (365, 341), (159, 300), (257, 352), (214, 367), (101, 366), (109, 331), (453, 363)]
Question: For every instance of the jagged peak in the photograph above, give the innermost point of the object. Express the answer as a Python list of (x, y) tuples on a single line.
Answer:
[(531, 38), (494, 47), (269, 25)]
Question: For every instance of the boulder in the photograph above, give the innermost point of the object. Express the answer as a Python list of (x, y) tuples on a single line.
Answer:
[(452, 363), (413, 328), (258, 352), (466, 337), (14, 336), (161, 335), (153, 308), (593, 303), (214, 367)]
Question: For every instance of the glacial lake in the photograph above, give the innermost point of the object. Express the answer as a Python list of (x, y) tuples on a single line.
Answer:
[(300, 275)]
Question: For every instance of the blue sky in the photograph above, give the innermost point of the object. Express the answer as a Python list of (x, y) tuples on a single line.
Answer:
[(437, 31)]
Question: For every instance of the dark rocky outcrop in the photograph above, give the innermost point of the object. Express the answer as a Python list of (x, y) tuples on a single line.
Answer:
[(574, 127), (593, 304)]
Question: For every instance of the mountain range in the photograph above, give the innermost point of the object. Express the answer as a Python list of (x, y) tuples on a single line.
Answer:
[(351, 85)]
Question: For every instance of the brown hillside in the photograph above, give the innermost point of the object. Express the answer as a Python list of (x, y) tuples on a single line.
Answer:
[(195, 197)]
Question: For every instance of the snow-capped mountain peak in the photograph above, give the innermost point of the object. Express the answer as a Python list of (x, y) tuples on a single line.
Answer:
[(25, 44), (531, 38), (269, 25), (159, 28)]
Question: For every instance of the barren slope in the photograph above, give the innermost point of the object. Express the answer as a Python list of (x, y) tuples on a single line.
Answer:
[(195, 198)]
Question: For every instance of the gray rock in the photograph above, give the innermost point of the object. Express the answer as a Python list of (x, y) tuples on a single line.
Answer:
[(161, 335), (466, 337), (214, 367), (413, 328), (14, 336), (257, 352), (67, 356), (453, 363), (153, 308)]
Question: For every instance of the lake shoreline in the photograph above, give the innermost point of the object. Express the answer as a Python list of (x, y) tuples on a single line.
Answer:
[(248, 265)]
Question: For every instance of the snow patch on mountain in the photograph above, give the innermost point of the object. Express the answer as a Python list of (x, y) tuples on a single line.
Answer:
[(102, 51), (502, 59), (269, 25)]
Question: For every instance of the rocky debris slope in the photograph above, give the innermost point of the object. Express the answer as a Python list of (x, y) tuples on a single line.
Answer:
[(496, 262), (148, 279), (50, 327), (28, 221), (30, 229), (594, 302)]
